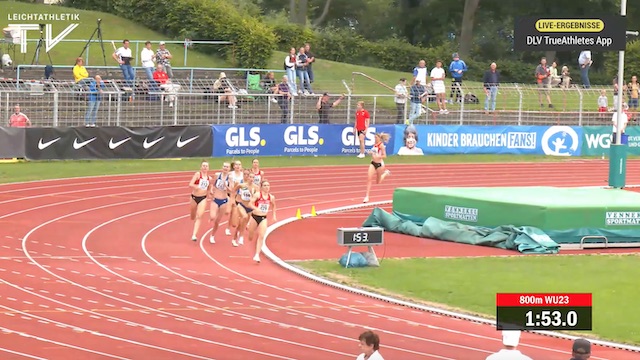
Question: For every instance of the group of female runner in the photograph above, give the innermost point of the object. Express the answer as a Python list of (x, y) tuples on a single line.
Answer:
[(243, 195)]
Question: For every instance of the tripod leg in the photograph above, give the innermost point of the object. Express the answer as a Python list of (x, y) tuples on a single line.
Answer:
[(88, 43), (104, 55), (36, 54)]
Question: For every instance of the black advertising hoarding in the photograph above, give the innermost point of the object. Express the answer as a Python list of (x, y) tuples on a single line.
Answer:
[(598, 33), (76, 143), (12, 141)]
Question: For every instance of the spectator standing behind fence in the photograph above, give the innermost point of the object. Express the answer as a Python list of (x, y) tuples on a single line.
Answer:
[(634, 92), (147, 57), (420, 73), (290, 68), (123, 57), (302, 73), (457, 68), (285, 97), (311, 60), (437, 81), (553, 74), (401, 100), (566, 78), (18, 119), (543, 77), (491, 82), (603, 106), (95, 97), (584, 63), (80, 73), (163, 57), (323, 106), (418, 95)]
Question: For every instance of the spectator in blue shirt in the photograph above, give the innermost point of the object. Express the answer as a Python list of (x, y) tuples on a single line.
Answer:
[(95, 97), (457, 68), (417, 94)]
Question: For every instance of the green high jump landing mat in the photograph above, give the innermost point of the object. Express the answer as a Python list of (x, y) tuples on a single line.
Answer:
[(572, 217)]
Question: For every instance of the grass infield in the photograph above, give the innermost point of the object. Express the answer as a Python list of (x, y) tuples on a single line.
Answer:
[(470, 285), (39, 170)]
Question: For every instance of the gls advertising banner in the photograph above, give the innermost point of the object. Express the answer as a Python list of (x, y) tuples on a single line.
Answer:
[(291, 140), (531, 140), (597, 140)]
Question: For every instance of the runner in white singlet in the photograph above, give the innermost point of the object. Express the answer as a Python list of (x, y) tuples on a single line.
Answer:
[(235, 177), (199, 184), (243, 193), (219, 199), (261, 202)]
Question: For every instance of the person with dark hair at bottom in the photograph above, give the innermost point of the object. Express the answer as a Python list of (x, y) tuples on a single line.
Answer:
[(370, 346), (581, 349)]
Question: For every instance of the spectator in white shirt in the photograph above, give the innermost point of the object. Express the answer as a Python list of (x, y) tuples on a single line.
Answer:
[(420, 73), (510, 340), (437, 81), (623, 126), (401, 100), (123, 57), (147, 56), (369, 344), (584, 62)]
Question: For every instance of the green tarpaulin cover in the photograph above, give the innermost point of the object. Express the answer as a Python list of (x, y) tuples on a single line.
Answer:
[(525, 239)]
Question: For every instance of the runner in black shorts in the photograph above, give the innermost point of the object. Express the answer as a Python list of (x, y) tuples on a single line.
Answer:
[(200, 184)]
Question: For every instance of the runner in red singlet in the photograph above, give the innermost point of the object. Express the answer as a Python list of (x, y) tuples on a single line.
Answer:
[(260, 203), (200, 184), (377, 168), (361, 126), (257, 173)]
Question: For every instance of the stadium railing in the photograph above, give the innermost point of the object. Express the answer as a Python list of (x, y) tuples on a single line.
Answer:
[(62, 103)]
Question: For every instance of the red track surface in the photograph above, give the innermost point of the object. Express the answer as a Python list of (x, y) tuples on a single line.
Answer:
[(104, 268)]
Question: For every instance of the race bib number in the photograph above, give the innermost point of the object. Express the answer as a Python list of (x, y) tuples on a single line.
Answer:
[(204, 184), (256, 180), (220, 184), (245, 195), (264, 208)]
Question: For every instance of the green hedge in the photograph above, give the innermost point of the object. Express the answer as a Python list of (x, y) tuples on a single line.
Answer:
[(253, 40)]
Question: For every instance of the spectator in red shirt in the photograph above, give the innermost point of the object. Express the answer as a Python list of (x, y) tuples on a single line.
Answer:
[(162, 78), (361, 126), (19, 119)]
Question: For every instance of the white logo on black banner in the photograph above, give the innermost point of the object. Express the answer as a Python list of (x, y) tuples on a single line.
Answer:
[(45, 145), (113, 145), (146, 144), (181, 143), (77, 145)]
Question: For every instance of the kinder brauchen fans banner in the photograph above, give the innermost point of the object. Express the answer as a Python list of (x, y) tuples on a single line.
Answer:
[(597, 140), (451, 139), (293, 140)]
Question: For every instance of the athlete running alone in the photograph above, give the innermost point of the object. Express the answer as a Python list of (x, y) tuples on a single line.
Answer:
[(261, 202), (219, 199), (377, 168), (200, 185), (240, 218), (257, 173)]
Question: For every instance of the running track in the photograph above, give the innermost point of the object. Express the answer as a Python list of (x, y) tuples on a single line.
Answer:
[(103, 268)]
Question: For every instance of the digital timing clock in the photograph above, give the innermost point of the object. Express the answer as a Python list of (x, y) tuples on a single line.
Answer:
[(362, 236), (570, 311)]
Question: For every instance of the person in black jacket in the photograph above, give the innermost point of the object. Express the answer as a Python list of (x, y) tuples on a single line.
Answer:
[(491, 82)]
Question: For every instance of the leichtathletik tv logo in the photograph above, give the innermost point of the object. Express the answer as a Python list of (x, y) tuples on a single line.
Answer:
[(22, 28)]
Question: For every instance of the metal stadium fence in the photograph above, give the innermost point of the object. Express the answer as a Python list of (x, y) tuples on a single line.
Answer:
[(190, 101)]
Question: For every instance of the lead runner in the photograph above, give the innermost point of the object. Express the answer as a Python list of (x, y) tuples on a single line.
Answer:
[(377, 168)]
